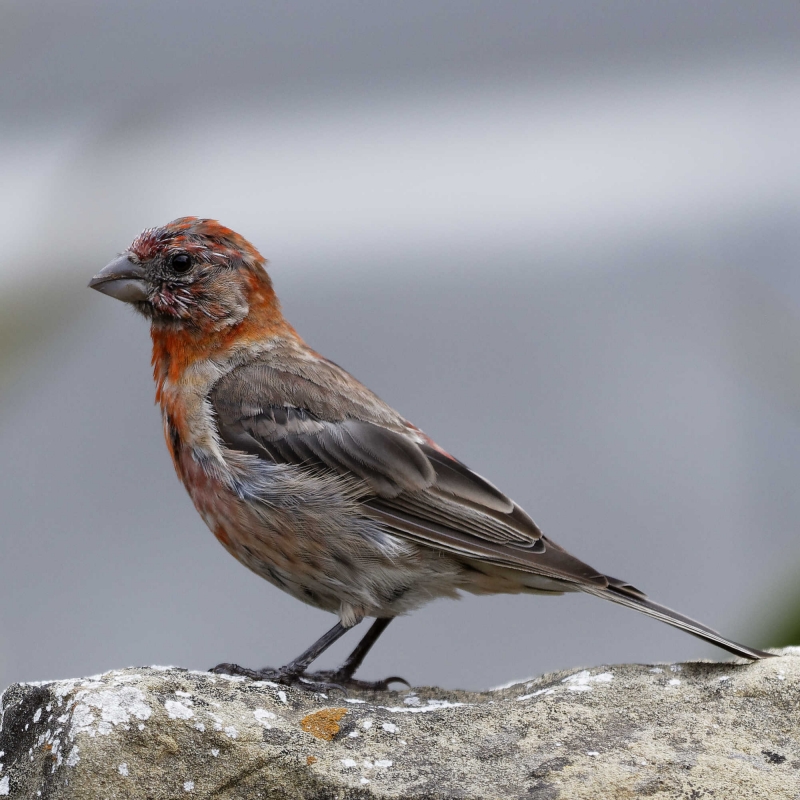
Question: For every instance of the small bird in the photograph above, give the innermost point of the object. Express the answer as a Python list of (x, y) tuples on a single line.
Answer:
[(307, 477)]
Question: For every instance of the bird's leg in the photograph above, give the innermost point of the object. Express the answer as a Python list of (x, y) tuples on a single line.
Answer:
[(292, 673), (344, 675)]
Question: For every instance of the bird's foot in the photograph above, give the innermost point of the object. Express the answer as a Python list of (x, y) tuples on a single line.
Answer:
[(283, 675), (345, 679)]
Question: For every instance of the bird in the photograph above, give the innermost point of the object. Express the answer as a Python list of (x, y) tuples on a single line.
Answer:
[(312, 481)]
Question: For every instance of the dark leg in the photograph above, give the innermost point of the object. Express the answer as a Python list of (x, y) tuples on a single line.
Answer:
[(292, 673), (353, 661), (344, 675)]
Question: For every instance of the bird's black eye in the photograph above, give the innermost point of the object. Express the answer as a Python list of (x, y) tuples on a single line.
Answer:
[(181, 262)]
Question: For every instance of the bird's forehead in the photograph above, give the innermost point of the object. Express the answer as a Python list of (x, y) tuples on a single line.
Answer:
[(150, 243), (190, 234)]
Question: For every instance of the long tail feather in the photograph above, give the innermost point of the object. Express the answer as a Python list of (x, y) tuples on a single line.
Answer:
[(626, 595)]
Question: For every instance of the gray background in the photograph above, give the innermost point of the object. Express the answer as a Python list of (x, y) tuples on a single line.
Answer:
[(561, 237)]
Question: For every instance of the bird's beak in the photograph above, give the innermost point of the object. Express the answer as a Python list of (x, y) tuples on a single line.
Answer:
[(121, 279)]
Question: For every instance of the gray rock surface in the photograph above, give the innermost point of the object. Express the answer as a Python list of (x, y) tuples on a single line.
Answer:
[(723, 730)]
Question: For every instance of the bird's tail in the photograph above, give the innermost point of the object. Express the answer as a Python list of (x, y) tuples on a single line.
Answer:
[(626, 595)]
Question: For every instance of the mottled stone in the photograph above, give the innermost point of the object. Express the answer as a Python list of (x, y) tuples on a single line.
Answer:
[(628, 731)]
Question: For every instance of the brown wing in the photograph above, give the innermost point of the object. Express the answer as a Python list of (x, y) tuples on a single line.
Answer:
[(409, 485)]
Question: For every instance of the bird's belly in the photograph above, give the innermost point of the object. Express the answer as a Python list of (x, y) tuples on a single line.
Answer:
[(327, 555)]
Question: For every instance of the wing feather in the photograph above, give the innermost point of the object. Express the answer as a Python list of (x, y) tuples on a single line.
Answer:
[(409, 484)]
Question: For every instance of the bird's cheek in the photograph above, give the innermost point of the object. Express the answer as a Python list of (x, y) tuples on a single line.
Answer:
[(172, 302)]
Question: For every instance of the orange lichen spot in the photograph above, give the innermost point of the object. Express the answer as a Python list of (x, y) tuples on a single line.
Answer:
[(323, 724), (311, 760)]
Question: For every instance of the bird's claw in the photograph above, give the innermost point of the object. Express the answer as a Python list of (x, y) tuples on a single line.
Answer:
[(347, 681), (235, 669), (283, 676)]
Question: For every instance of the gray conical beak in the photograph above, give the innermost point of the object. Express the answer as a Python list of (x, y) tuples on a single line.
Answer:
[(121, 279)]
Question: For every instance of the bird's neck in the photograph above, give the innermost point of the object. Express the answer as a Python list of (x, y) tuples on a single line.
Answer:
[(180, 351)]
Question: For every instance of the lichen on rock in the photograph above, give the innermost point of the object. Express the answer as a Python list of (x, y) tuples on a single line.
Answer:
[(661, 731)]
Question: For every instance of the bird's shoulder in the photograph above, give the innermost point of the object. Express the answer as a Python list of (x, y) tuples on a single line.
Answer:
[(289, 374)]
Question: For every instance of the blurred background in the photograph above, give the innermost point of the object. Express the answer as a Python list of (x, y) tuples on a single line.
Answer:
[(561, 237)]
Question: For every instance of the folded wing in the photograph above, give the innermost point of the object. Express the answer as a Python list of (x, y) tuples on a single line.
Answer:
[(409, 485)]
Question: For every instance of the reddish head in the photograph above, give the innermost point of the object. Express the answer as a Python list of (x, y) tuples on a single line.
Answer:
[(203, 287), (192, 274)]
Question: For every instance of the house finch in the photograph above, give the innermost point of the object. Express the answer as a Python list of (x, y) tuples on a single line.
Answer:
[(306, 476)]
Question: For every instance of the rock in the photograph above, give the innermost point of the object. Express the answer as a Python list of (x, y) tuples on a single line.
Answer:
[(628, 731)]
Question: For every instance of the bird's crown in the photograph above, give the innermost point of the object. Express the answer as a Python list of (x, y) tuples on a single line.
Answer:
[(204, 239)]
